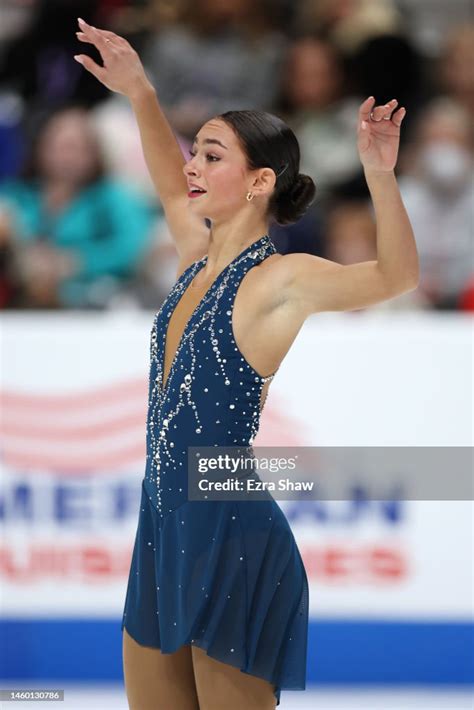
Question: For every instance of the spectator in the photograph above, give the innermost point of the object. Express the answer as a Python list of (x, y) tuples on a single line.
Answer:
[(12, 292), (306, 235), (437, 191), (11, 144), (119, 137), (350, 232), (389, 67), (351, 238), (373, 36), (85, 233), (221, 56), (454, 68), (323, 118), (14, 19), (428, 23), (349, 23)]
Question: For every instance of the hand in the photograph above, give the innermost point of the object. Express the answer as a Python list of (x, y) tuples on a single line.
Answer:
[(123, 71), (379, 135), (48, 264), (67, 263)]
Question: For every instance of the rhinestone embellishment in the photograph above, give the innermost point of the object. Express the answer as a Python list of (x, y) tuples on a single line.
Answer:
[(207, 371)]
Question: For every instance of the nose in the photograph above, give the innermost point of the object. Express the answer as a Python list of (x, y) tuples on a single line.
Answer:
[(189, 168)]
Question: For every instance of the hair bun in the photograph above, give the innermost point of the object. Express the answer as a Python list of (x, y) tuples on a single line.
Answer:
[(299, 187), (294, 202)]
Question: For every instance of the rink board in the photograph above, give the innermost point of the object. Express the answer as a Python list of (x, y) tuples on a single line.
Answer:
[(74, 390)]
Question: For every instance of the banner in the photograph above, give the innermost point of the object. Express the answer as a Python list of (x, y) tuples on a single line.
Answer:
[(72, 458)]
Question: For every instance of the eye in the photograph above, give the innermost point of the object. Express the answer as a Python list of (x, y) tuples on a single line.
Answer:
[(209, 156)]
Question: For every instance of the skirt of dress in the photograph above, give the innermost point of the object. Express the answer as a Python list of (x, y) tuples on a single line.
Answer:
[(227, 577)]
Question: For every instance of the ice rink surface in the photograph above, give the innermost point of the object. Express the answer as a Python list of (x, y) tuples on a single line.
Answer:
[(113, 697)]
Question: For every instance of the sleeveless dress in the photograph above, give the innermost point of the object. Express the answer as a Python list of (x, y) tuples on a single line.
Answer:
[(226, 576)]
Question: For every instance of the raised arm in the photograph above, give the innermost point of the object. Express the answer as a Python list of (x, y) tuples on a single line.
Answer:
[(123, 72), (318, 284)]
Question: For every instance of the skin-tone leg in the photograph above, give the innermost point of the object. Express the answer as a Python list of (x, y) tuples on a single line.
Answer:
[(158, 681), (220, 685)]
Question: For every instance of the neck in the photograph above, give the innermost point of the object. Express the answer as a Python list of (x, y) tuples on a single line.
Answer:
[(229, 238)]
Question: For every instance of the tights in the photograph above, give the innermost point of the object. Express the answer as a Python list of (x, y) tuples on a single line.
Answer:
[(188, 679)]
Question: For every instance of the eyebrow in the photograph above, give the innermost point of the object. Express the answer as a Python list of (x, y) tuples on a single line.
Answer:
[(210, 140)]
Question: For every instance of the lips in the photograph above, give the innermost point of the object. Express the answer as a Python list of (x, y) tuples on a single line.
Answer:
[(195, 190)]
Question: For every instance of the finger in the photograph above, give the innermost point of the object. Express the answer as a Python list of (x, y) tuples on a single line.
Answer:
[(384, 111), (370, 114), (398, 116), (94, 35), (106, 33), (366, 108), (82, 37), (89, 64), (389, 107), (87, 31), (110, 40), (380, 111)]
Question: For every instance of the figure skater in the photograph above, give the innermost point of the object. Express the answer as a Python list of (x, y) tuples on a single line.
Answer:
[(216, 611)]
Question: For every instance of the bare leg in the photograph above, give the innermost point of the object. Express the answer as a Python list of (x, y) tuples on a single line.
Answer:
[(220, 685), (158, 681)]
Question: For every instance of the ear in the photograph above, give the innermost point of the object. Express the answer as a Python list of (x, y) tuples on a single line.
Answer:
[(263, 182)]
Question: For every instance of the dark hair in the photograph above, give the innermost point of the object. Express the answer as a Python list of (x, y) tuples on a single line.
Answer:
[(269, 142)]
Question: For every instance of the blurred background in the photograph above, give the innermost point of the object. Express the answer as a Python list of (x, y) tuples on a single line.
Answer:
[(86, 259)]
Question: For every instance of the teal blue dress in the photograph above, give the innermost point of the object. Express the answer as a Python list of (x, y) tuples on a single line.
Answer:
[(226, 576), (107, 225)]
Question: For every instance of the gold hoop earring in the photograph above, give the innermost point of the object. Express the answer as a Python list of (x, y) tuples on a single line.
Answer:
[(249, 196)]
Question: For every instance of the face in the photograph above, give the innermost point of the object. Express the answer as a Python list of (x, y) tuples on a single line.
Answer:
[(312, 76), (218, 166), (444, 151), (439, 127), (351, 234), (455, 71), (67, 149)]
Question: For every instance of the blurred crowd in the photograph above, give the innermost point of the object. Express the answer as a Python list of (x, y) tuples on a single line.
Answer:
[(80, 224)]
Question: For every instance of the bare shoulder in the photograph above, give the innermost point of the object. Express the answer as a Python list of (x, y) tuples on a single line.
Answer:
[(289, 267), (279, 274), (258, 289)]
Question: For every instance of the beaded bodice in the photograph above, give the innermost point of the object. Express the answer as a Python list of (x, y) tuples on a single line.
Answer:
[(212, 395)]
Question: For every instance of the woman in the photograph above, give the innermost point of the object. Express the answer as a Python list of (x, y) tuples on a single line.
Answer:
[(216, 609), (199, 60), (85, 233)]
